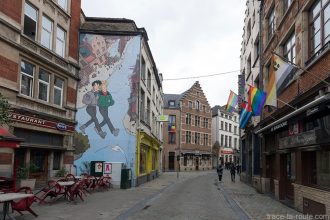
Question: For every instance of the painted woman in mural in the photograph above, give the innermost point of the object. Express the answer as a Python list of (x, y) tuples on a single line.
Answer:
[(105, 100), (91, 100)]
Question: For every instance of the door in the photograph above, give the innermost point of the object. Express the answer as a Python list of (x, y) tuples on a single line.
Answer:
[(171, 159), (289, 175), (197, 163), (40, 158)]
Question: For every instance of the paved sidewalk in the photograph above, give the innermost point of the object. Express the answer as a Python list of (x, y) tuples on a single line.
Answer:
[(255, 205)]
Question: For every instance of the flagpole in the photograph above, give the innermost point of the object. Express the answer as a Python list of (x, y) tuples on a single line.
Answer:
[(299, 67)]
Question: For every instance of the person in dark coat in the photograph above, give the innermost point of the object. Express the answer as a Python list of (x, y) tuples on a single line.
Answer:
[(220, 171), (232, 172)]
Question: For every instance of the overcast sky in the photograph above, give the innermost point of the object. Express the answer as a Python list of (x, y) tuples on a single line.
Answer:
[(188, 38)]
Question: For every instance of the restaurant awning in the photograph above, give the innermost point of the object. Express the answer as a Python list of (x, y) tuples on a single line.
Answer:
[(9, 140)]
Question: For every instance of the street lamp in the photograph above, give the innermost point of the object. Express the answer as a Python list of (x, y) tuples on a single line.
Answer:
[(119, 149)]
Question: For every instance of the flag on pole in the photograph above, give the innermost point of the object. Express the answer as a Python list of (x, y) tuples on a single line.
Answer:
[(245, 115), (232, 101), (256, 99), (280, 75)]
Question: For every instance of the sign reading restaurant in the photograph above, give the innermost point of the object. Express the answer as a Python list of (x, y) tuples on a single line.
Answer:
[(41, 122)]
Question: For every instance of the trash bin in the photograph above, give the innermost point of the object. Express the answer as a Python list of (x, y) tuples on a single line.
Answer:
[(97, 168), (126, 176)]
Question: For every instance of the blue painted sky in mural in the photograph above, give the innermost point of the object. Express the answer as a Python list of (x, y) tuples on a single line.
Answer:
[(118, 86), (187, 38)]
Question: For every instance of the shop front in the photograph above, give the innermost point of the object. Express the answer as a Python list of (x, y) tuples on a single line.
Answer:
[(47, 145), (195, 160), (147, 160), (297, 158)]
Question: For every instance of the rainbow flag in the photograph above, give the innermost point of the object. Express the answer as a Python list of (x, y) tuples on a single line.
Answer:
[(245, 115), (232, 101), (281, 74), (171, 128), (256, 99)]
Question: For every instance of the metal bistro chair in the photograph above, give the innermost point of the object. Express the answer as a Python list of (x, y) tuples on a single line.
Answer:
[(24, 204)]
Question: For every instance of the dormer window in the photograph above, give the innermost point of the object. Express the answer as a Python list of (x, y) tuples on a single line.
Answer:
[(171, 103)]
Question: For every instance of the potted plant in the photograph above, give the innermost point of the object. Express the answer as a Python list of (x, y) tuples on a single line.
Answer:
[(23, 175), (61, 173)]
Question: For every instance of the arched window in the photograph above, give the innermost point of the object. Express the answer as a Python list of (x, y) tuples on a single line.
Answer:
[(197, 105)]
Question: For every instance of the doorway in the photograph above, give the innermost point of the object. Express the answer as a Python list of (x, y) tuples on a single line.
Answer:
[(289, 174), (197, 163), (171, 159)]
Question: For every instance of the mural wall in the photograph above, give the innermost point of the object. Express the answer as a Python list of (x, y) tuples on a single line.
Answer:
[(107, 100)]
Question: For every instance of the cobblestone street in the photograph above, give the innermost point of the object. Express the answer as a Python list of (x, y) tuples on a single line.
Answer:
[(240, 199)]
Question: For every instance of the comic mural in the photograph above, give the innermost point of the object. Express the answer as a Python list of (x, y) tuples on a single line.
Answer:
[(107, 100)]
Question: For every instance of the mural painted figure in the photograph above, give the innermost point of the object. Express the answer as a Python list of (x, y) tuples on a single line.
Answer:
[(91, 100), (105, 100)]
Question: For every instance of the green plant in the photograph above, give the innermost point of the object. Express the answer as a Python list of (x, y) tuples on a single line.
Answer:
[(61, 173), (23, 171)]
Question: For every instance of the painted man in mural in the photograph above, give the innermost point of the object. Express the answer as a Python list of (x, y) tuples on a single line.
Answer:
[(104, 102), (91, 100)]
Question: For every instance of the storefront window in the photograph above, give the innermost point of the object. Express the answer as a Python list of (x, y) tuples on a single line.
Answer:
[(57, 160), (153, 156), (185, 160), (143, 158)]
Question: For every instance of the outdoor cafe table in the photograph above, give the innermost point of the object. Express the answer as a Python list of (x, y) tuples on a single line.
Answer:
[(6, 198), (66, 185)]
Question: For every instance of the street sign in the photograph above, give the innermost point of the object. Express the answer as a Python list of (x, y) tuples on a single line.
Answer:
[(162, 118)]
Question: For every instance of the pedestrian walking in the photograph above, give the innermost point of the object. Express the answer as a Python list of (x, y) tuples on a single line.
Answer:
[(220, 171), (232, 172)]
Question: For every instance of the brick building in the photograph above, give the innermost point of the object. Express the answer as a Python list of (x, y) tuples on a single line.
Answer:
[(187, 134), (38, 75), (296, 136)]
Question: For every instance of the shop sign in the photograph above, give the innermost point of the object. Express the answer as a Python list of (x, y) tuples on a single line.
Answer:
[(107, 168), (61, 126), (162, 118), (312, 111), (41, 122), (278, 126), (98, 167), (302, 139)]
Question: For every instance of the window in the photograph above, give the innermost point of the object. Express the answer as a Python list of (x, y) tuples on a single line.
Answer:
[(206, 139), (171, 119), (142, 113), (190, 104), (30, 21), (188, 119), (27, 76), (46, 33), (58, 91), (226, 140), (204, 108), (43, 82), (235, 143), (171, 103), (57, 160), (221, 142), (171, 137), (60, 41), (63, 4), (256, 49), (221, 127), (229, 141), (197, 121), (286, 5), (229, 127), (290, 49), (319, 25), (188, 137), (226, 126), (143, 158), (197, 105), (197, 138), (235, 129), (206, 123), (271, 24), (149, 81), (143, 69), (148, 112)]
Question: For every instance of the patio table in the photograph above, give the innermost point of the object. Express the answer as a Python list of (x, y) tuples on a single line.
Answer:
[(66, 185), (6, 198)]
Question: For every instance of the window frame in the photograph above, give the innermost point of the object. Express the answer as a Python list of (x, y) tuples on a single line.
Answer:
[(62, 90), (35, 20), (60, 41), (45, 83), (290, 54), (271, 23), (31, 92), (45, 31), (63, 4)]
